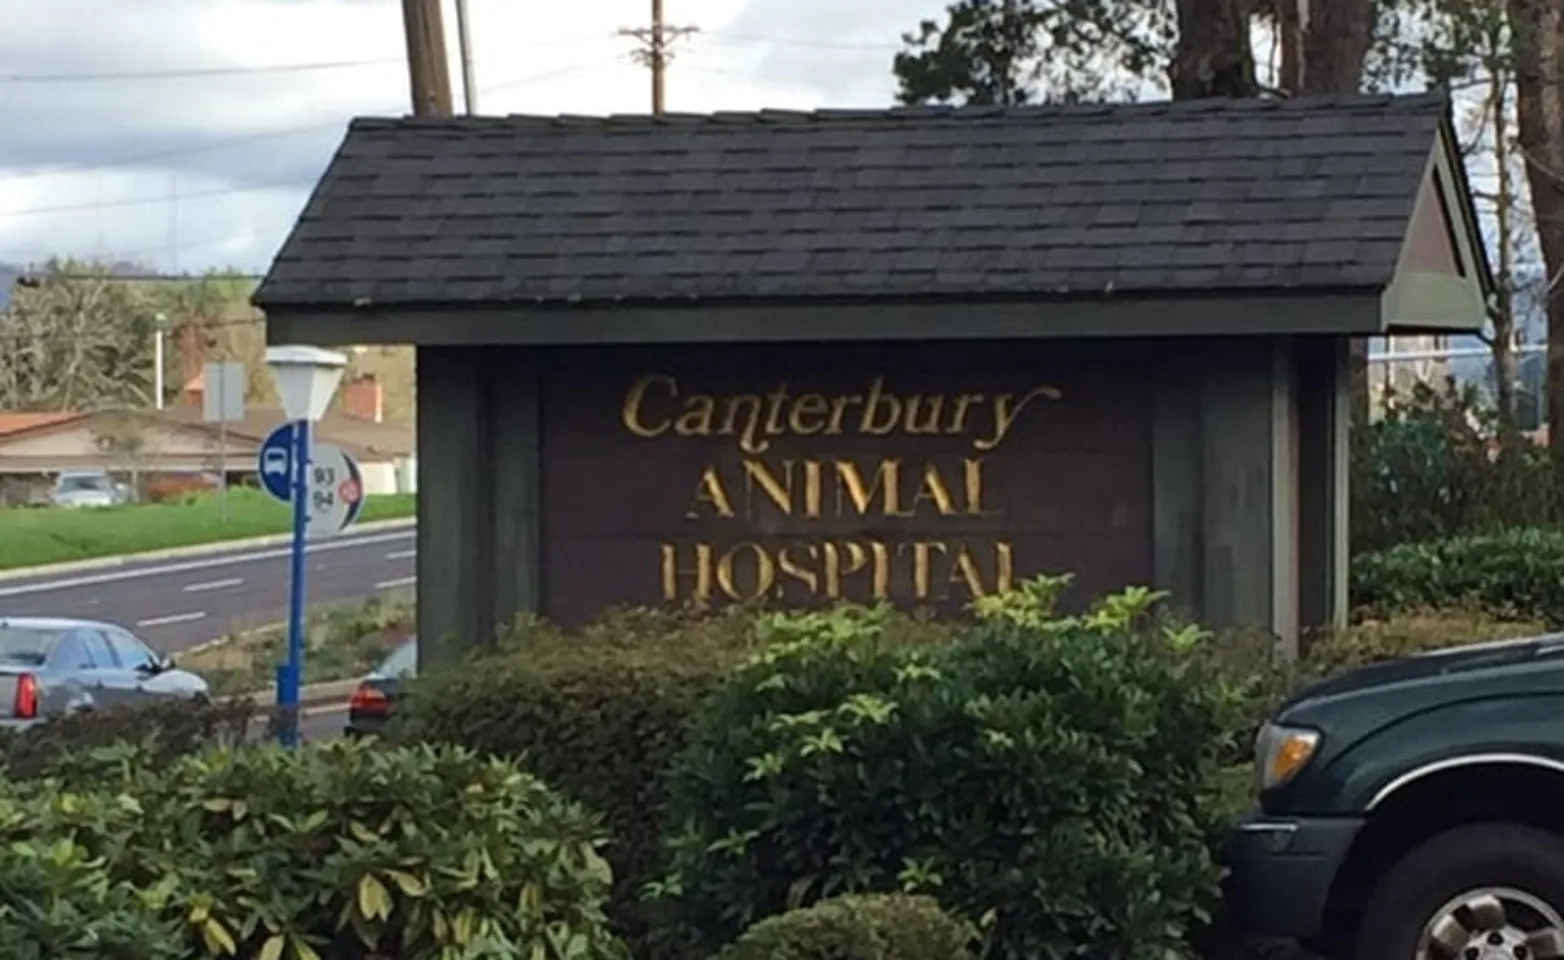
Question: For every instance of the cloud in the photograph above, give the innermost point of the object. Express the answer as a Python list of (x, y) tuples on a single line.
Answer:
[(209, 168)]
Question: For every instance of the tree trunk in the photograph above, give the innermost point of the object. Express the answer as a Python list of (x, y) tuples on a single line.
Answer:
[(1214, 56), (1537, 29), (1502, 314)]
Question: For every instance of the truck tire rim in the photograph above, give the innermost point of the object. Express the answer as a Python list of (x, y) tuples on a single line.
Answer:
[(1493, 923)]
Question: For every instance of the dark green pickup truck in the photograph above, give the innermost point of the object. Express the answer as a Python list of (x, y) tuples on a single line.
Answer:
[(1414, 810)]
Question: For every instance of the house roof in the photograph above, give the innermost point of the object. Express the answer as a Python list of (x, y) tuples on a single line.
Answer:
[(17, 422), (1275, 195)]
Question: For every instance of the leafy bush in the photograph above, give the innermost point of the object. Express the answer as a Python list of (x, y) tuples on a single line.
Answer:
[(343, 851), (599, 714), (1417, 632), (58, 903), (165, 730), (1059, 777), (1430, 468), (1513, 574), (875, 927)]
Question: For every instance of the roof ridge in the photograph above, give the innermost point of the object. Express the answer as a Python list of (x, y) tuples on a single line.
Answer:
[(965, 113)]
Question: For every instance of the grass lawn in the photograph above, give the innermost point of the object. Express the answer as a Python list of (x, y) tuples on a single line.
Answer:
[(30, 536)]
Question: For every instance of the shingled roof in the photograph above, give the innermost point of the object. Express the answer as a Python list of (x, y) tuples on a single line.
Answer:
[(791, 207)]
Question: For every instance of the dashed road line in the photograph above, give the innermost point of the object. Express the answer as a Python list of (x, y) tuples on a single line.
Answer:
[(401, 554), (213, 585), (398, 582), (172, 618)]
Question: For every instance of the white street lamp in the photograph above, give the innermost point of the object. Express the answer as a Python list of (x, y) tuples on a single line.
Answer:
[(306, 379)]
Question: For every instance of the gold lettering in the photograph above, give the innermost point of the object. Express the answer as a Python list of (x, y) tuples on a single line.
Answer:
[(631, 413), (765, 574), (774, 401), (964, 572), (742, 418), (699, 412), (933, 490), (805, 417), (972, 473), (930, 407), (710, 491), (1005, 414), (882, 569), (922, 551), (839, 407), (838, 568), (958, 416), (877, 401), (1005, 562), (791, 567), (700, 574), (812, 489), (779, 490), (887, 483)]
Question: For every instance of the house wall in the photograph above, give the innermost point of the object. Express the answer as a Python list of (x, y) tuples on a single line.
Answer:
[(1203, 466)]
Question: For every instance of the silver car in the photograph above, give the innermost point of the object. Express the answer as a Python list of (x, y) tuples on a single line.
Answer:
[(53, 666), (88, 488)]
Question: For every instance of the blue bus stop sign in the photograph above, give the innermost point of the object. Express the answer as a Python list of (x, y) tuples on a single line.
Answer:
[(274, 463)]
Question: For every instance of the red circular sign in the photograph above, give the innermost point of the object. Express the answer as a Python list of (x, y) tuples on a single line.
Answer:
[(349, 491)]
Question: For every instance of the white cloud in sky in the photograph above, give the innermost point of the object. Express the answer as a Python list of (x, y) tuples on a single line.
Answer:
[(93, 168)]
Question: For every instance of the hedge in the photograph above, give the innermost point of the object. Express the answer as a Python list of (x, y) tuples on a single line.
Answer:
[(343, 851), (884, 927), (1513, 574), (599, 714), (1055, 774)]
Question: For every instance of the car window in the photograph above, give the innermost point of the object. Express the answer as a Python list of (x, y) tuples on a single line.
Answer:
[(25, 646), (93, 482), (132, 653), (97, 649), (71, 653), (401, 661)]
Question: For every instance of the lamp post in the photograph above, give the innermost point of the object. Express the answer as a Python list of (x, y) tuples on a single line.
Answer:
[(306, 379)]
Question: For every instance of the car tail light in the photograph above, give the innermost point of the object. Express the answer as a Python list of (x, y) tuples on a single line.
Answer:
[(25, 705), (369, 699)]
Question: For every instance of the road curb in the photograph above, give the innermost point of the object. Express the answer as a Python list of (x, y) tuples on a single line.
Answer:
[(192, 550), (313, 695)]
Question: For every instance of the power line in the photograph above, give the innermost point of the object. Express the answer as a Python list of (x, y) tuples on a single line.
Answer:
[(142, 159), (654, 51), (138, 201), (721, 37), (192, 73)]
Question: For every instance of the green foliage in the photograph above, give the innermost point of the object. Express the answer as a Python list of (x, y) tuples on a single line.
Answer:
[(1411, 633), (1059, 780), (874, 927), (1429, 469), (599, 714), (59, 903), (346, 851), (164, 732), (1514, 575)]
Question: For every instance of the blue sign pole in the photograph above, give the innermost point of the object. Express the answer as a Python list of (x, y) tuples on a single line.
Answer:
[(290, 675)]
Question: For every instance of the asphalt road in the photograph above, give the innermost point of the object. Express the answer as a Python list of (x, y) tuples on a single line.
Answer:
[(176, 604)]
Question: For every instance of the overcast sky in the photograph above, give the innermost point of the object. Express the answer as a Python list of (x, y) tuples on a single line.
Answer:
[(93, 151)]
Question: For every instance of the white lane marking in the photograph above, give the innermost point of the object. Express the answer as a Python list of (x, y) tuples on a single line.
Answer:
[(401, 554), (166, 569), (213, 585), (171, 618), (398, 582)]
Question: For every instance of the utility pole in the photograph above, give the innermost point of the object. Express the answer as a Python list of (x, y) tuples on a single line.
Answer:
[(464, 44), (429, 73), (655, 41)]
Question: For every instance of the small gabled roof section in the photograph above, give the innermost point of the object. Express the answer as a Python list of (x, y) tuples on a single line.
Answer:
[(1058, 204)]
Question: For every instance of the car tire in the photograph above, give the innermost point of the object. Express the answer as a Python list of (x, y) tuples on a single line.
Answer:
[(1419, 887)]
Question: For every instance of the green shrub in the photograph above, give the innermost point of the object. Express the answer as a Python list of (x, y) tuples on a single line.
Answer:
[(1060, 778), (874, 927), (344, 851), (1410, 633), (165, 730), (1428, 469), (599, 714), (1514, 575), (59, 903)]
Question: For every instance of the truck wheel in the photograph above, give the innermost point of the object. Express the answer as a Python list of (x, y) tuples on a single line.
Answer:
[(1483, 892)]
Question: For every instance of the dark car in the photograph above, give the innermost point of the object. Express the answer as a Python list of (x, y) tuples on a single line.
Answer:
[(371, 705), (51, 666), (1414, 810)]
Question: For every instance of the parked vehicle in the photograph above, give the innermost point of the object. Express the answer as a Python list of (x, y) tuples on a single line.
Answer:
[(377, 693), (50, 667), (88, 488), (1414, 810)]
